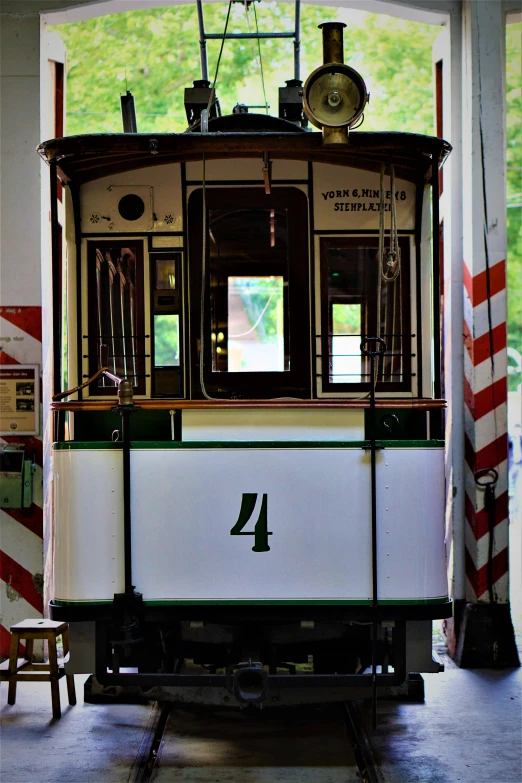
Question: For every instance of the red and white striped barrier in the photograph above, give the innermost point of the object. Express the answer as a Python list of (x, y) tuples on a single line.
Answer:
[(485, 426), (21, 541)]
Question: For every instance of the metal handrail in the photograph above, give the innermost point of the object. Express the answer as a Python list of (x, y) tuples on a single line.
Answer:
[(125, 393)]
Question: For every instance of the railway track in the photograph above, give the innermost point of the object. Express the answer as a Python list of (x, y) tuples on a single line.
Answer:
[(319, 744)]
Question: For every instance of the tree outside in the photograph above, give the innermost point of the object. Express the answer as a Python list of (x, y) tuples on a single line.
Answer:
[(155, 54)]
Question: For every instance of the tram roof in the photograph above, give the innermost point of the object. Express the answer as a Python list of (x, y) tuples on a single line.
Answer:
[(84, 158)]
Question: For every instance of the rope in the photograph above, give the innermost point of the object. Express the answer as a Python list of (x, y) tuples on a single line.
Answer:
[(393, 255), (391, 258)]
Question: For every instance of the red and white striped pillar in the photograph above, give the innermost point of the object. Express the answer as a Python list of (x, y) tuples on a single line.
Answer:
[(485, 636), (21, 539)]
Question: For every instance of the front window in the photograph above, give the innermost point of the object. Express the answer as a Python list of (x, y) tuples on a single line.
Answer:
[(349, 306), (257, 334)]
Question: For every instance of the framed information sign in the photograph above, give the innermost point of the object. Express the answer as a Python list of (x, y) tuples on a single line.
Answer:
[(19, 399)]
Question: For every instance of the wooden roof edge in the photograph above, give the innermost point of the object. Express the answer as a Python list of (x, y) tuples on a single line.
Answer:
[(132, 143)]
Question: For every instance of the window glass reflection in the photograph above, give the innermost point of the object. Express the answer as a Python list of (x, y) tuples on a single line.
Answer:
[(249, 290)]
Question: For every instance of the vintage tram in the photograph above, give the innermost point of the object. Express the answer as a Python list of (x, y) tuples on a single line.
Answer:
[(249, 459)]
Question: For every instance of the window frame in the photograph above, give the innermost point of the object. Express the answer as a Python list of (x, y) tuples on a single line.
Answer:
[(368, 315), (160, 373), (92, 312)]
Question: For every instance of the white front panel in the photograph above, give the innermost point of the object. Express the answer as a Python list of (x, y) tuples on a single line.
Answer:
[(318, 545), (410, 511), (346, 198), (88, 524), (273, 425), (186, 501)]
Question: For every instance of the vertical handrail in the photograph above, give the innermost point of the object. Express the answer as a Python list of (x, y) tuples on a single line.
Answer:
[(127, 519), (374, 356)]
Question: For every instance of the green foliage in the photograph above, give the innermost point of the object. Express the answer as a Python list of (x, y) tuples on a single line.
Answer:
[(514, 189), (394, 58), (166, 340), (346, 318), (155, 53)]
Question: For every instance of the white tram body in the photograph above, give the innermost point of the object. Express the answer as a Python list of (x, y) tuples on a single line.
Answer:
[(271, 494), (319, 548)]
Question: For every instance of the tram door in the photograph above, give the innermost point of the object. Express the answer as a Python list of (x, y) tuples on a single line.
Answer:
[(249, 287)]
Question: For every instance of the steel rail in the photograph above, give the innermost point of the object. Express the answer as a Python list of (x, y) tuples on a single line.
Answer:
[(148, 756), (145, 763), (362, 748)]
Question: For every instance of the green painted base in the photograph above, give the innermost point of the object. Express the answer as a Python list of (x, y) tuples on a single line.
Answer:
[(293, 444), (267, 602)]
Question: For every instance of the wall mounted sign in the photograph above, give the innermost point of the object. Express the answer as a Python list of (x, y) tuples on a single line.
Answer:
[(19, 399)]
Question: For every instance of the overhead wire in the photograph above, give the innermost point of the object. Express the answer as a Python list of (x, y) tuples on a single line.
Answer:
[(498, 456), (205, 228)]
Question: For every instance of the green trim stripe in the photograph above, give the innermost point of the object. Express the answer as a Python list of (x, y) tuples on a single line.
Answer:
[(268, 602), (294, 444)]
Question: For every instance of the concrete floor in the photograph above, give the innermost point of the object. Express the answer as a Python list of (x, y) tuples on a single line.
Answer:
[(468, 731), (90, 743)]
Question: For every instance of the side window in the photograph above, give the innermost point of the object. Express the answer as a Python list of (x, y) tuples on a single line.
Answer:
[(349, 306), (115, 312), (256, 338), (165, 275)]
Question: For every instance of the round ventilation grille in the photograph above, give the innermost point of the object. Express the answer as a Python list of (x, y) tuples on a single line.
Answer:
[(131, 207)]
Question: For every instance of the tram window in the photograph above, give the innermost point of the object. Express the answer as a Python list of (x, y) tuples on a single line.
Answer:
[(166, 303), (349, 294), (115, 312), (256, 308)]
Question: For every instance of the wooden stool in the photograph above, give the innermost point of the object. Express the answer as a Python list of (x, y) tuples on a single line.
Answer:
[(19, 668)]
